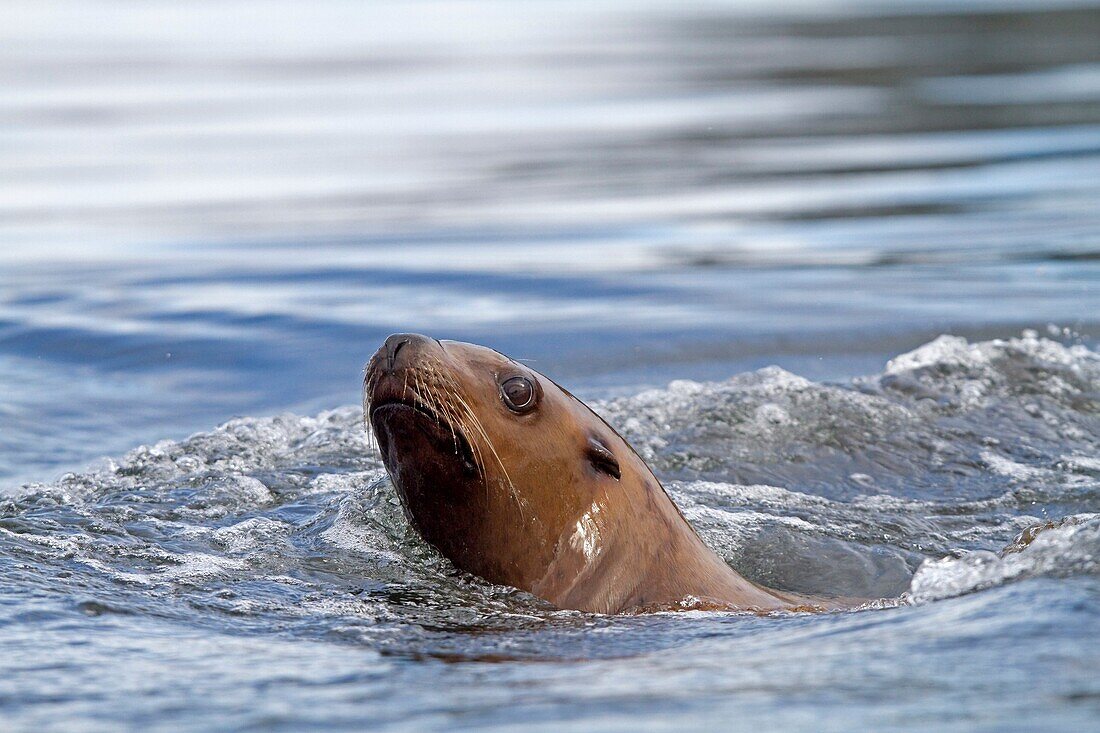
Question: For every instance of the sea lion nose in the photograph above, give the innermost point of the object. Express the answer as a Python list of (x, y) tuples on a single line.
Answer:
[(400, 348)]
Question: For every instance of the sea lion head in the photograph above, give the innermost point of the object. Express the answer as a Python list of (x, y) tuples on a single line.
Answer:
[(496, 465)]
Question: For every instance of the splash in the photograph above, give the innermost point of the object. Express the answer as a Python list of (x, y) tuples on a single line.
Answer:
[(913, 480)]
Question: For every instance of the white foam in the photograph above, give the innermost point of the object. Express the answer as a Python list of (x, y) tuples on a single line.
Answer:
[(1008, 467), (1089, 464), (956, 351), (1072, 548), (941, 350), (202, 565), (751, 495), (251, 534)]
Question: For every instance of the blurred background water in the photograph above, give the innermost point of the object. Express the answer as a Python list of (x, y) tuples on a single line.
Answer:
[(219, 209)]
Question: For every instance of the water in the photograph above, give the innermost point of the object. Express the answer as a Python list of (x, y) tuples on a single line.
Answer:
[(831, 268)]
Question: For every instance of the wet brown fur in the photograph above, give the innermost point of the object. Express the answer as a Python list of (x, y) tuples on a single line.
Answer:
[(532, 511)]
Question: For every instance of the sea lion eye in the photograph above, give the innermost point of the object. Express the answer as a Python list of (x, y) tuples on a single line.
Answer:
[(518, 394)]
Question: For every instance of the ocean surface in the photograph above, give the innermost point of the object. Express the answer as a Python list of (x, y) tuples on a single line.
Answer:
[(832, 268)]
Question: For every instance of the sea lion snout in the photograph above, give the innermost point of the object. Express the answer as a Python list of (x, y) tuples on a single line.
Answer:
[(394, 372), (401, 349)]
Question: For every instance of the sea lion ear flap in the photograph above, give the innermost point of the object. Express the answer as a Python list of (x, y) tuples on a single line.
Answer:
[(602, 459)]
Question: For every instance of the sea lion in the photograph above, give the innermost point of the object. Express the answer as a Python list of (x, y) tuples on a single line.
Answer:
[(514, 479)]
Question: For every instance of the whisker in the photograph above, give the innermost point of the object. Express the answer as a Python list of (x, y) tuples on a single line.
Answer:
[(489, 442), (438, 391)]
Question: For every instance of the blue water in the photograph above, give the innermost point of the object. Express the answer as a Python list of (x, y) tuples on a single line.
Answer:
[(833, 269)]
